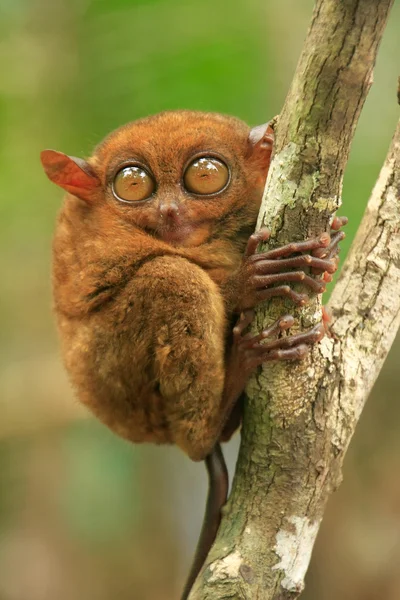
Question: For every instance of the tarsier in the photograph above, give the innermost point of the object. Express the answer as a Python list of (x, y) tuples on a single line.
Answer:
[(156, 275)]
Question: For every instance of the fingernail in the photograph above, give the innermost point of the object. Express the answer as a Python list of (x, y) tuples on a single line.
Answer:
[(324, 238)]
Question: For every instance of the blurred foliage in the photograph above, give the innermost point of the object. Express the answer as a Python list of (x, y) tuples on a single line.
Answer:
[(83, 514)]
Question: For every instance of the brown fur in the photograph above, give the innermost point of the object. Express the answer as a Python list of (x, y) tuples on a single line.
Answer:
[(144, 322)]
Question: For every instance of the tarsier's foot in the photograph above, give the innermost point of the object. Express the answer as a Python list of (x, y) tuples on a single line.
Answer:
[(262, 270), (248, 351), (266, 346)]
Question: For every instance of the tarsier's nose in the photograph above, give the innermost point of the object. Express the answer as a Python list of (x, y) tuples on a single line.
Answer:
[(169, 211)]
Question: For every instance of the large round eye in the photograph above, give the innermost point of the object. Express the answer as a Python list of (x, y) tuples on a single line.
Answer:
[(206, 175), (133, 184)]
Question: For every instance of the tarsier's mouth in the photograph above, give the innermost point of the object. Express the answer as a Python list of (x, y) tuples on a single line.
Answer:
[(192, 234), (175, 234)]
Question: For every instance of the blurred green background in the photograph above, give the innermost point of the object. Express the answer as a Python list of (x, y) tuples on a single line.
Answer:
[(82, 513)]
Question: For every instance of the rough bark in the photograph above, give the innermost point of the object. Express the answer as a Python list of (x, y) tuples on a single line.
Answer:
[(299, 418)]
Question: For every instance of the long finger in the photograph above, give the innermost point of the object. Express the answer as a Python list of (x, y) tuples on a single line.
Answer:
[(297, 353), (267, 267), (312, 336), (332, 249), (323, 240), (282, 290), (299, 276), (279, 325), (255, 240), (244, 320), (339, 222)]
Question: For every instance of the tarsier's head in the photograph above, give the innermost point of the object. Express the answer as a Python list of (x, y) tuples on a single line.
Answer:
[(174, 174)]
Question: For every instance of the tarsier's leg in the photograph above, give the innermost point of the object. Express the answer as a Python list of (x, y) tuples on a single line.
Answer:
[(189, 329)]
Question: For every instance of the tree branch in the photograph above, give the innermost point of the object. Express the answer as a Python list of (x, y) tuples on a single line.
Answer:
[(299, 418), (366, 301)]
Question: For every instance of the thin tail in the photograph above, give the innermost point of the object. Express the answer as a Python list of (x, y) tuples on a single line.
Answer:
[(217, 494)]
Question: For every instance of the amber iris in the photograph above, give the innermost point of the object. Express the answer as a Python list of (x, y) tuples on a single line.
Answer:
[(133, 184), (206, 175)]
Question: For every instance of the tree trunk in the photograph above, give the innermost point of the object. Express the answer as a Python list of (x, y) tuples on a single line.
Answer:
[(299, 417)]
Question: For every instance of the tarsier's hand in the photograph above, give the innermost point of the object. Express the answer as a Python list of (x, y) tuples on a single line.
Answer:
[(259, 271)]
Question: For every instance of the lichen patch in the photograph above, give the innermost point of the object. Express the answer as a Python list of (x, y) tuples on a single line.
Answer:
[(294, 544), (227, 567)]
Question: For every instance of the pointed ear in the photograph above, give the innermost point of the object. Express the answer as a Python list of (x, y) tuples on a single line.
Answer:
[(74, 175), (261, 139)]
